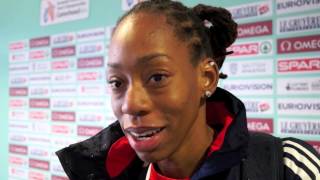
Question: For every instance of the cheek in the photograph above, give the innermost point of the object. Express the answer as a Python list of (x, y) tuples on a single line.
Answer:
[(183, 92), (180, 102), (116, 106)]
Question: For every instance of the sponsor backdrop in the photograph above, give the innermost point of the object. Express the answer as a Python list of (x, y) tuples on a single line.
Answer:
[(53, 86)]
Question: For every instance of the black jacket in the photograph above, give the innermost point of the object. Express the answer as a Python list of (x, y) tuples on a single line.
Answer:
[(87, 160)]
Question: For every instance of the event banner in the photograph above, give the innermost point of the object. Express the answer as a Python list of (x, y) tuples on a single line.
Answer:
[(58, 96), (59, 11), (58, 93), (275, 67)]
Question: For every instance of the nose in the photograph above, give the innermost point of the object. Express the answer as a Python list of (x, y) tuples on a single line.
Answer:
[(136, 101)]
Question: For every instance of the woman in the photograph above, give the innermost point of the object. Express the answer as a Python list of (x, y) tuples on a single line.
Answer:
[(173, 121)]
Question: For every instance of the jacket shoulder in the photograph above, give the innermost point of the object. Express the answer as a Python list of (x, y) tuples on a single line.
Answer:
[(86, 159), (301, 160)]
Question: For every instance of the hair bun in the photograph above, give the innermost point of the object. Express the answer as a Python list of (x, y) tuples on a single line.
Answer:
[(223, 31)]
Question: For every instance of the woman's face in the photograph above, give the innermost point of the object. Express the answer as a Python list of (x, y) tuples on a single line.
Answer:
[(155, 89)]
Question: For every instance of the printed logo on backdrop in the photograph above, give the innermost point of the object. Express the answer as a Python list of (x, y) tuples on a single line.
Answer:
[(63, 39), (39, 152), (39, 103), (60, 142), (88, 130), (90, 76), (64, 90), (56, 168), (16, 103), (63, 129), (297, 86), (40, 128), (298, 106), (290, 6), (18, 149), (18, 45), (315, 145), (59, 11), (91, 35), (39, 91), (39, 42), (251, 49), (43, 140), (260, 125), (19, 138), (301, 23), (18, 57), (63, 116), (91, 104), (18, 161), (21, 68), (62, 78), (90, 62), (18, 115), (293, 127), (249, 87), (90, 117), (63, 64), (299, 44), (91, 90), (41, 54), (55, 177), (37, 79), (36, 67), (17, 172), (39, 164), (21, 80), (90, 48), (302, 65), (248, 68), (63, 103), (251, 10), (258, 106), (18, 91), (20, 126), (63, 51), (255, 29), (33, 175), (39, 115)]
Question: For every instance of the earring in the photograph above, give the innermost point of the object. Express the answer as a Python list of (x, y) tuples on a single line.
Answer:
[(208, 94), (212, 63)]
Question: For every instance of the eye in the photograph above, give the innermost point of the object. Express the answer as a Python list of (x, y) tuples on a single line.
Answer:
[(158, 79), (115, 84)]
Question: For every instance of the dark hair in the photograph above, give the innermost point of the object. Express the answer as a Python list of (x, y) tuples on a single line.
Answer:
[(189, 26)]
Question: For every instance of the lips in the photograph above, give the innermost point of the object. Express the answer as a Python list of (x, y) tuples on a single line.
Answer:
[(141, 134), (144, 138)]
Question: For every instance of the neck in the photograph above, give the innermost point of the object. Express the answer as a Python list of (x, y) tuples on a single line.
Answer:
[(189, 156)]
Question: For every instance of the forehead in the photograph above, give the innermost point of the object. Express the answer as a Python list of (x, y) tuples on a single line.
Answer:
[(143, 33)]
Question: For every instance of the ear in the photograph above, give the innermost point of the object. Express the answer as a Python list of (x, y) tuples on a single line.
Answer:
[(209, 75)]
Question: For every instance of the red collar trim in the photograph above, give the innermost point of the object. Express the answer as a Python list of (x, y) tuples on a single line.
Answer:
[(223, 117), (119, 157)]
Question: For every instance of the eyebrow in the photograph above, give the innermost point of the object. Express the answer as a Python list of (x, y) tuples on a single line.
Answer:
[(141, 60)]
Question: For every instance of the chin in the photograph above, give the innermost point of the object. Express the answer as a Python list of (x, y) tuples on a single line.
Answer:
[(149, 157)]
